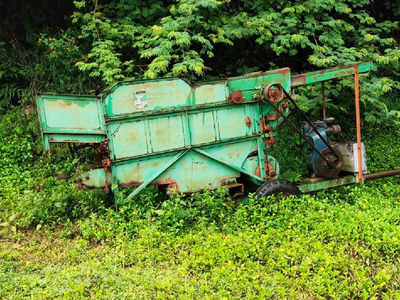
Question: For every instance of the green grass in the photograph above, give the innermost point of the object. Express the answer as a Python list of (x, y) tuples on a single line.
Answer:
[(59, 242)]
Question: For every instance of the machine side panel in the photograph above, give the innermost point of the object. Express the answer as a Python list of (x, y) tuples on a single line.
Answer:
[(71, 118), (128, 98)]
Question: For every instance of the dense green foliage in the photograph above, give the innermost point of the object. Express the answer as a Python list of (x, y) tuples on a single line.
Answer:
[(58, 241), (102, 42)]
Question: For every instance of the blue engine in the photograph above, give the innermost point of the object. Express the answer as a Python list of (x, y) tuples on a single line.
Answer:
[(319, 165)]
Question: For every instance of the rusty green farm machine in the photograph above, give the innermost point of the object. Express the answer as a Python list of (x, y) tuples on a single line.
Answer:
[(189, 137)]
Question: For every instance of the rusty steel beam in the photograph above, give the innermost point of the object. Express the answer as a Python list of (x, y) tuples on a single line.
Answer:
[(358, 124), (382, 174), (328, 74)]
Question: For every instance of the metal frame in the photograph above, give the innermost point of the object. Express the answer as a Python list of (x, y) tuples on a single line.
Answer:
[(246, 91), (359, 176)]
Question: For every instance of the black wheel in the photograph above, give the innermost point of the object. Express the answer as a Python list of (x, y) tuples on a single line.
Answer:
[(277, 186)]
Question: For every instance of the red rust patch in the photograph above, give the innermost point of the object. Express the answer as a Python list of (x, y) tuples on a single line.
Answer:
[(258, 171), (256, 75), (248, 121), (273, 118), (270, 170), (297, 80), (227, 180), (284, 71), (129, 184), (170, 184), (271, 140), (262, 125), (237, 97)]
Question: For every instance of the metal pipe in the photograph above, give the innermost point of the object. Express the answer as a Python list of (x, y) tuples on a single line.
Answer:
[(382, 174), (358, 124)]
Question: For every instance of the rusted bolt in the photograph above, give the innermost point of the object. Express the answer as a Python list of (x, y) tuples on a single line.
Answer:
[(237, 97), (248, 121)]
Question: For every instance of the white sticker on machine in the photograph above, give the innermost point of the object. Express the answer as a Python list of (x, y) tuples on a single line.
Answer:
[(140, 99)]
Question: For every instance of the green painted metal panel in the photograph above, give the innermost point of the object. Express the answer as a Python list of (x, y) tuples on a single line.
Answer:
[(235, 153), (323, 75), (75, 138), (194, 172), (232, 122), (128, 139), (147, 96), (174, 131), (251, 164), (93, 179), (211, 93), (134, 172), (202, 127), (190, 173), (228, 164), (80, 114), (146, 136), (325, 184), (166, 133), (251, 85), (72, 119)]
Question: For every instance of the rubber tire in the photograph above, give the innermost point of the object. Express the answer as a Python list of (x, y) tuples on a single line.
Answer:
[(277, 186)]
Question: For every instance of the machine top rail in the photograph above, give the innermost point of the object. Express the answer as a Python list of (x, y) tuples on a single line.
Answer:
[(328, 74)]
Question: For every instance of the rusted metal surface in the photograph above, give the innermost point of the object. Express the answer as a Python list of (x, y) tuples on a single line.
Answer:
[(326, 184), (328, 74), (271, 172), (129, 184), (178, 135), (382, 174), (273, 117), (283, 72), (358, 125), (258, 171), (248, 121), (170, 184), (298, 80), (227, 180), (273, 93), (258, 74), (330, 168), (237, 97), (270, 140)]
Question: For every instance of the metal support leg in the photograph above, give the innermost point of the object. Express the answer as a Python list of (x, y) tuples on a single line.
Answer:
[(358, 124), (156, 174)]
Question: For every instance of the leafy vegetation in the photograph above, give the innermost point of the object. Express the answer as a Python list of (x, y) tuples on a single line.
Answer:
[(57, 241), (96, 43)]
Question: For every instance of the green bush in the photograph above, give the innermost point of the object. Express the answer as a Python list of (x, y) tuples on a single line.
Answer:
[(63, 242)]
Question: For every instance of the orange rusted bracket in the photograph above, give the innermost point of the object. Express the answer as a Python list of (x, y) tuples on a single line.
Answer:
[(358, 124), (270, 140), (273, 118)]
